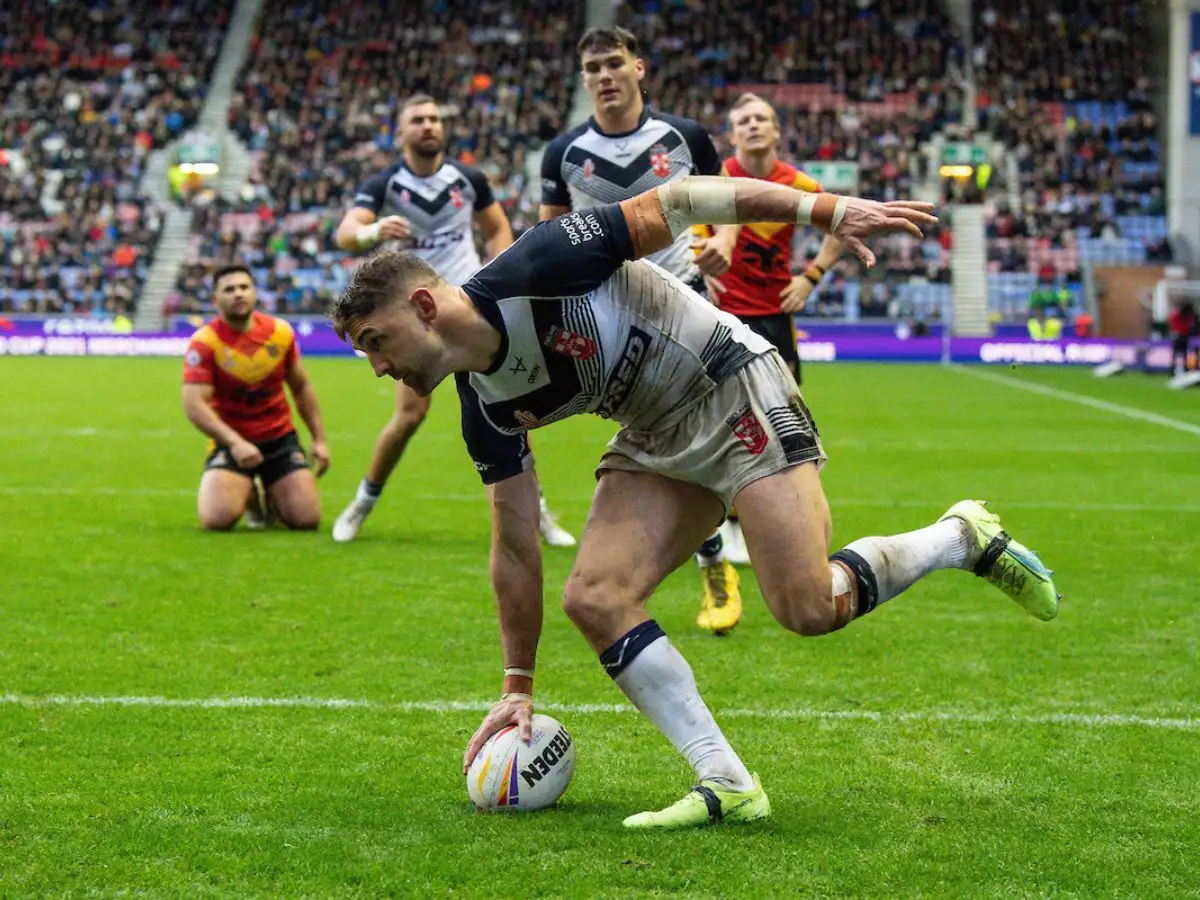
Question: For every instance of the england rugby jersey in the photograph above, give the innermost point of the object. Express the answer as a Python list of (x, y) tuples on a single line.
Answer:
[(440, 209), (584, 330), (586, 167)]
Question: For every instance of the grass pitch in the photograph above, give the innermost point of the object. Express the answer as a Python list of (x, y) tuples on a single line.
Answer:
[(185, 714)]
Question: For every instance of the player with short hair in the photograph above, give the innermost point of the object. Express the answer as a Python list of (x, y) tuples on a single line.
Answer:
[(233, 377), (623, 149), (758, 286), (428, 203), (709, 414)]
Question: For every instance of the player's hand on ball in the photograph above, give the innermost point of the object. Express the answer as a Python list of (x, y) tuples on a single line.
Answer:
[(320, 456), (793, 297), (511, 709), (394, 228), (246, 455), (865, 218)]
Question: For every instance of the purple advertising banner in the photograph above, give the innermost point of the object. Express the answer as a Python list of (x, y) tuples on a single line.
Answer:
[(88, 337)]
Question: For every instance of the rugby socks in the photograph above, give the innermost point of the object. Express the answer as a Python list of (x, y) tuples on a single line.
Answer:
[(369, 491), (873, 570), (712, 551), (659, 682)]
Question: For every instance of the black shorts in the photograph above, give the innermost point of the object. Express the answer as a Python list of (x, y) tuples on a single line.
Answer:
[(780, 330), (281, 456)]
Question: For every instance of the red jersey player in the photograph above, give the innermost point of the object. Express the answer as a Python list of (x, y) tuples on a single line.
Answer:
[(233, 378), (757, 284)]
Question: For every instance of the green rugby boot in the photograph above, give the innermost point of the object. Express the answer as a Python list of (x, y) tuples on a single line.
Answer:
[(707, 803), (1006, 563)]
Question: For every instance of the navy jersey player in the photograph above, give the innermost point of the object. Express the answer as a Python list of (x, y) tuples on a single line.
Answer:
[(572, 319), (622, 150), (430, 205)]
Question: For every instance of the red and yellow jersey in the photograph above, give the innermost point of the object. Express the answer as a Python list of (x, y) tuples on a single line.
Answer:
[(762, 259), (247, 370)]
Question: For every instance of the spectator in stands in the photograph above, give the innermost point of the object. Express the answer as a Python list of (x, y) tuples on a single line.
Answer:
[(1183, 325)]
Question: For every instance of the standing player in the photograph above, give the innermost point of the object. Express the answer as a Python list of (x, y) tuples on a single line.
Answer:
[(429, 204), (709, 413), (621, 151), (758, 287), (233, 377)]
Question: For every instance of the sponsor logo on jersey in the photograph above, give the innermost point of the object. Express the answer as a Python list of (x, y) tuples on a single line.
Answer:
[(748, 430), (625, 375), (589, 168), (438, 240), (456, 197), (568, 343), (660, 160)]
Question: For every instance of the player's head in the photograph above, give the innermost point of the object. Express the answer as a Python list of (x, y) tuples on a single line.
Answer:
[(612, 70), (234, 294), (421, 130), (753, 125), (389, 311)]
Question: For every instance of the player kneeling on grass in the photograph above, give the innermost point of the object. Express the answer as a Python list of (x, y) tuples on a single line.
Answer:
[(233, 378), (709, 413)]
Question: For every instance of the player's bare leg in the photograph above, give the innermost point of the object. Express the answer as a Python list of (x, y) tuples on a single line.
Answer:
[(786, 521), (296, 500), (651, 525), (411, 410), (222, 498)]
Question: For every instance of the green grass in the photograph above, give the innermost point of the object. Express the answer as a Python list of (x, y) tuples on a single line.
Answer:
[(989, 771)]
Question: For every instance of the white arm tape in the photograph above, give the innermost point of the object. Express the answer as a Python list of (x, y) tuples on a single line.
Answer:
[(367, 235), (804, 211), (698, 200)]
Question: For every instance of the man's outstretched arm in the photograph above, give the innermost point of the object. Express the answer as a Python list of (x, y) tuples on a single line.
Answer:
[(656, 217)]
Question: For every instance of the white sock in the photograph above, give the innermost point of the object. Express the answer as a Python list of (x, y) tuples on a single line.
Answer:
[(659, 682), (901, 560)]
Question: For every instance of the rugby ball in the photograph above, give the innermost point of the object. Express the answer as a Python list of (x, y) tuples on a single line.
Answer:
[(508, 774)]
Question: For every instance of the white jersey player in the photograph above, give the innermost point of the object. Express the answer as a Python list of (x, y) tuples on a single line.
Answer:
[(623, 149), (430, 205), (571, 319)]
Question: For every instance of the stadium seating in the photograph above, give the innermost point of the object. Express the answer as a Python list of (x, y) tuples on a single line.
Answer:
[(86, 92), (318, 102)]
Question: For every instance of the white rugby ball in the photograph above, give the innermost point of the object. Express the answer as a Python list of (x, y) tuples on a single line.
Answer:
[(508, 774)]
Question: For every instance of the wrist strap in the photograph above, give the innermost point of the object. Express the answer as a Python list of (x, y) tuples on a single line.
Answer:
[(515, 695), (514, 670)]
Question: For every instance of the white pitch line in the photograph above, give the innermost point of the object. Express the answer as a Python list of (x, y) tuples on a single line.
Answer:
[(1078, 720), (1129, 412), (835, 502)]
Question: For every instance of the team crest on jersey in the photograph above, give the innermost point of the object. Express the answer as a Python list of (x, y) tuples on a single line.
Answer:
[(748, 430), (272, 350), (568, 343), (405, 196), (193, 358), (456, 197), (589, 168), (660, 160)]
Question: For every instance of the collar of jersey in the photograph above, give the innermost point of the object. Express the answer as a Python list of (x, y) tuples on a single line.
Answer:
[(641, 121)]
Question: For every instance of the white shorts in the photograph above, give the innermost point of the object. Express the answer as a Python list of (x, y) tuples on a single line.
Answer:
[(753, 425)]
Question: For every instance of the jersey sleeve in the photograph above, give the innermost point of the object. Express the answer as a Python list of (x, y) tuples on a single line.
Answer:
[(554, 188), (806, 182), (199, 365), (496, 454), (704, 154), (479, 183), (372, 193), (566, 256)]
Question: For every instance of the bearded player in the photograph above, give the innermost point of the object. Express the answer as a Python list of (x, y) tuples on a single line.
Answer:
[(428, 204), (233, 378)]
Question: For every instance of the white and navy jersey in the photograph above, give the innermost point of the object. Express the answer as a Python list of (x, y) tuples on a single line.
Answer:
[(586, 167), (440, 209), (586, 330)]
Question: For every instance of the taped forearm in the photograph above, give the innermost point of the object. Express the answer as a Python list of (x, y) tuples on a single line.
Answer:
[(710, 200)]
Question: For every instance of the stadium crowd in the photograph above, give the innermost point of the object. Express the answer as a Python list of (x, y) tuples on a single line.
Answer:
[(86, 92)]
